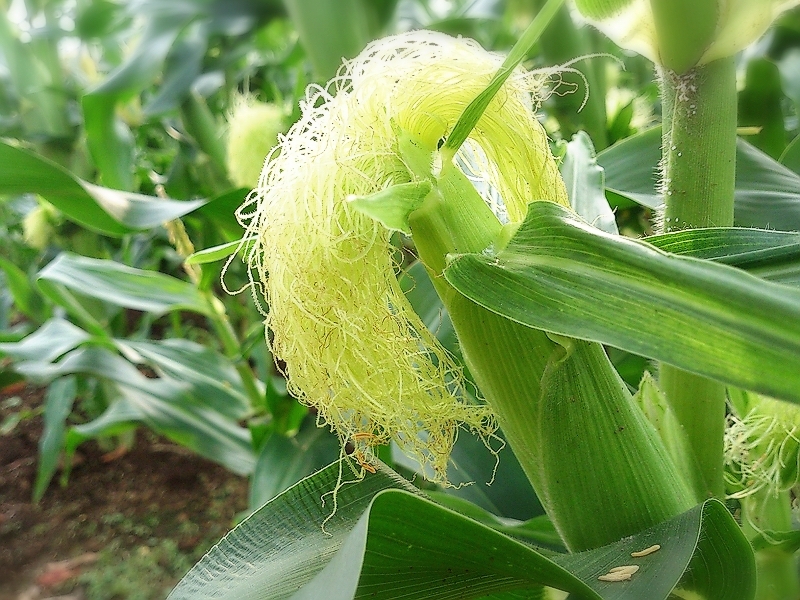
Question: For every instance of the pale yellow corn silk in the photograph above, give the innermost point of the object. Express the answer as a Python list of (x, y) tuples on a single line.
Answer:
[(762, 448), (253, 130), (352, 345)]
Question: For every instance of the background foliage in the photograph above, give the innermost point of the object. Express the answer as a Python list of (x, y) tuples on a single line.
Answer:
[(113, 169)]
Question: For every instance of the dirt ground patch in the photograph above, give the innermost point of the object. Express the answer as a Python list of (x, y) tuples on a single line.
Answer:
[(146, 514)]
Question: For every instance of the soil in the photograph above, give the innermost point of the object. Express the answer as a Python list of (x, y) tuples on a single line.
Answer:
[(117, 504)]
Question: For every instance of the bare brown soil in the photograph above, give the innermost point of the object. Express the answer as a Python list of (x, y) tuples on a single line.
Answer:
[(128, 501)]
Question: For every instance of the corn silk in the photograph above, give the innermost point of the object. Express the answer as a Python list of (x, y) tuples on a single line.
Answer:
[(351, 344)]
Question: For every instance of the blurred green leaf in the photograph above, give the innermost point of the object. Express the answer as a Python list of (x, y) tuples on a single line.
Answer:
[(767, 193), (206, 129), (35, 80), (331, 31), (57, 407), (122, 285), (560, 275), (782, 541), (585, 183), (221, 211), (110, 141), (495, 483), (26, 298), (182, 66), (51, 340), (166, 405), (100, 209), (585, 109), (284, 460), (96, 19), (418, 289), (789, 66), (760, 106), (209, 375), (791, 156), (109, 138), (385, 540), (218, 252)]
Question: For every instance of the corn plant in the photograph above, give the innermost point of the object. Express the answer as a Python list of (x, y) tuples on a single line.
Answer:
[(97, 304), (430, 137)]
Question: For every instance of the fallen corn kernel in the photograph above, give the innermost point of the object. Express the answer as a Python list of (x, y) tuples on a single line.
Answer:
[(646, 551)]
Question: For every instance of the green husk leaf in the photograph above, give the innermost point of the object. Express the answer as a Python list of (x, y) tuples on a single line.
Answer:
[(472, 114), (391, 206)]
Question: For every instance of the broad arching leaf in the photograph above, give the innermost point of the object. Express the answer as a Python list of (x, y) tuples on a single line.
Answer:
[(385, 540), (565, 277)]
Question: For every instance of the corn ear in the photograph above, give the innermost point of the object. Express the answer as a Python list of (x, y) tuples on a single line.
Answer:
[(253, 129), (574, 427)]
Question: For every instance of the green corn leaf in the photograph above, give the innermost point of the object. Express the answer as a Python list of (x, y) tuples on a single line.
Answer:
[(57, 407), (121, 285), (166, 405), (216, 253), (771, 255), (22, 291), (563, 276), (208, 374), (385, 540), (100, 209), (585, 182), (767, 193), (51, 340)]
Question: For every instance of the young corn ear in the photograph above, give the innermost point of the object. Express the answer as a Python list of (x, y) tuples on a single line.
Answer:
[(351, 344), (664, 32), (253, 129)]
